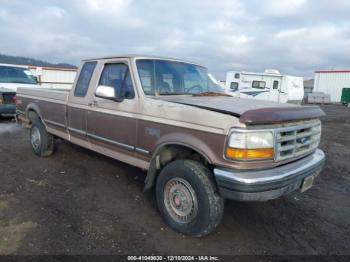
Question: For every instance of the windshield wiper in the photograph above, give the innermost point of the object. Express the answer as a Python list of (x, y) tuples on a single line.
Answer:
[(211, 94)]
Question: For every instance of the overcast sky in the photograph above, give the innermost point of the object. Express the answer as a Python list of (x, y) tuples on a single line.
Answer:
[(294, 36)]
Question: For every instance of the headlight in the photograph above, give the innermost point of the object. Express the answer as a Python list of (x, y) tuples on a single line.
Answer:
[(243, 145)]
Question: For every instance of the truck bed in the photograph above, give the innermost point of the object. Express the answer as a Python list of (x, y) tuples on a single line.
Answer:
[(50, 104)]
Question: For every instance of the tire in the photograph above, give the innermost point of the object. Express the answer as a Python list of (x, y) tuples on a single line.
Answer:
[(41, 141), (187, 198)]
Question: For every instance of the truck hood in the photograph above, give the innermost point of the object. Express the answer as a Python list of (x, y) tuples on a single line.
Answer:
[(249, 111), (12, 87)]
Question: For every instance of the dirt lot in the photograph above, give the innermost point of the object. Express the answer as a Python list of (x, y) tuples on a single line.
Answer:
[(79, 202)]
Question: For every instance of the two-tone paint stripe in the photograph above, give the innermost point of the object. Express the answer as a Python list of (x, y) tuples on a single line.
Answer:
[(103, 139), (77, 131), (54, 123), (116, 143), (112, 142)]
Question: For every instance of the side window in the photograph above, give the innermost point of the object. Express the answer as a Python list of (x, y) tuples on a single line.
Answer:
[(275, 84), (259, 84), (234, 86), (237, 75), (84, 79), (118, 76)]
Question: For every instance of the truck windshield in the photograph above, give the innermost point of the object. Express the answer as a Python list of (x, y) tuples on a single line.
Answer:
[(10, 74), (164, 77)]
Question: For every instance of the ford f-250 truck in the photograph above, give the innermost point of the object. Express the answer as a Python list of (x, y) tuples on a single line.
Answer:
[(199, 145)]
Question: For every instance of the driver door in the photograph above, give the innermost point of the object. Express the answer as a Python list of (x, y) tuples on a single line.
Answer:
[(112, 124)]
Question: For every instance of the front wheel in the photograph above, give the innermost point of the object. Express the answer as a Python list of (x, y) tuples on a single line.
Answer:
[(41, 141), (187, 198)]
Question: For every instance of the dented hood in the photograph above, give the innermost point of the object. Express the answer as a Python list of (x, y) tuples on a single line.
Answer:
[(249, 111)]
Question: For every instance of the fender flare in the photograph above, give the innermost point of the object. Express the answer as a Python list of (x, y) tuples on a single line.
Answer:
[(33, 107), (153, 171)]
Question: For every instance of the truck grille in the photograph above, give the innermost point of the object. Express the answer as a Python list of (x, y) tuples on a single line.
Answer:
[(295, 141), (8, 98)]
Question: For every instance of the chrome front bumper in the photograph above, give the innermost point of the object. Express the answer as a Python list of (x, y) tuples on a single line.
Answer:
[(262, 185)]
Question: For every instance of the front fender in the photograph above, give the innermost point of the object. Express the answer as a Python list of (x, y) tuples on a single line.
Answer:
[(199, 144)]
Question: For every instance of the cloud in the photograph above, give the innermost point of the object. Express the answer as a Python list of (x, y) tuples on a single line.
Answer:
[(107, 6), (283, 8), (294, 36), (322, 44), (53, 12)]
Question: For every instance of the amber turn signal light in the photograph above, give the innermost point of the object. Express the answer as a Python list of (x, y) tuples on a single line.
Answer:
[(246, 154)]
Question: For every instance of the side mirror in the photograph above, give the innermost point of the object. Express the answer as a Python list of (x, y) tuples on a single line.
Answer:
[(108, 92)]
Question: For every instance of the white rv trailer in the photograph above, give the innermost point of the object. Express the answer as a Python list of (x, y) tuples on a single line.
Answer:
[(270, 85)]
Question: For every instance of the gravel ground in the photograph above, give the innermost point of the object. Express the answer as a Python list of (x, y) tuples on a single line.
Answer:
[(80, 202)]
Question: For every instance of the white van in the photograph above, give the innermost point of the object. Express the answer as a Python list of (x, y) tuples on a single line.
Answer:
[(270, 85)]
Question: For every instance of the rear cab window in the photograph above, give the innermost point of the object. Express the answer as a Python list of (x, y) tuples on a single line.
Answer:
[(84, 79)]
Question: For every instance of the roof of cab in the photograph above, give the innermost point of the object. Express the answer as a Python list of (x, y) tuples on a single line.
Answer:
[(140, 56)]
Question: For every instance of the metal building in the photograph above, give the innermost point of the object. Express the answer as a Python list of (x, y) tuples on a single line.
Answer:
[(53, 77), (332, 82)]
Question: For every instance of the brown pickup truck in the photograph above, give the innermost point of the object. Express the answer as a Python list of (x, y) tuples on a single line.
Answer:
[(198, 145)]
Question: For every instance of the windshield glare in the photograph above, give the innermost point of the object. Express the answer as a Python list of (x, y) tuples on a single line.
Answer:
[(16, 75), (163, 77)]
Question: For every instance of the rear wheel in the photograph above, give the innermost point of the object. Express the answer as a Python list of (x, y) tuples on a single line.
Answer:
[(41, 141), (187, 199)]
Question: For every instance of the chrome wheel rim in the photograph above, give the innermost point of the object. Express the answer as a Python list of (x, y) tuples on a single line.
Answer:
[(35, 138), (180, 200)]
